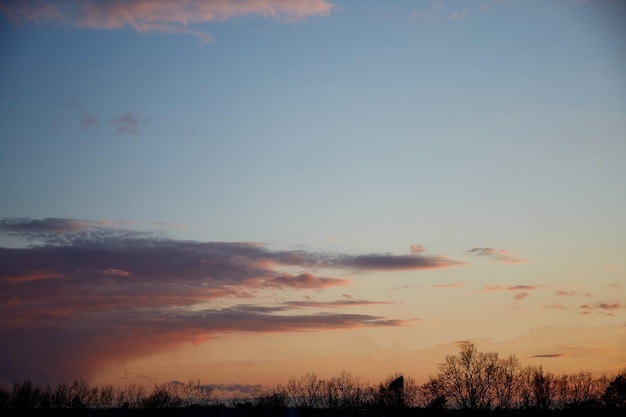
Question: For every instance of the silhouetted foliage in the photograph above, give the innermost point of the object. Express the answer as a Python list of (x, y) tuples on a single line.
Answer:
[(469, 378), (615, 394), (467, 383)]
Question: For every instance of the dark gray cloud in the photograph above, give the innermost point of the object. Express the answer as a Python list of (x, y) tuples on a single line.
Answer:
[(79, 294), (547, 355)]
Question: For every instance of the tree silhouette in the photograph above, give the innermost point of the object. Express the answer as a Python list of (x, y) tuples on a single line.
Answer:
[(468, 379), (615, 394)]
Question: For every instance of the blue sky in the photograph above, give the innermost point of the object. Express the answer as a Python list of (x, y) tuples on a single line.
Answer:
[(336, 127)]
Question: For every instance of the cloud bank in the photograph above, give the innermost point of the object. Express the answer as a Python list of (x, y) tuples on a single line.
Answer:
[(157, 16), (82, 293)]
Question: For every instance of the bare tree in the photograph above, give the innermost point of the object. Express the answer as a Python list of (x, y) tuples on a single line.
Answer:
[(163, 396), (306, 392), (433, 394), (506, 385), (132, 396), (538, 389), (194, 393), (343, 392), (469, 377)]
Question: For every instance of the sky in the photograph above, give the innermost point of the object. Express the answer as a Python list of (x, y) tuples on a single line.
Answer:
[(245, 191)]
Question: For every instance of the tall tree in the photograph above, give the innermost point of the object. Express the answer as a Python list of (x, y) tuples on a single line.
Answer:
[(469, 378)]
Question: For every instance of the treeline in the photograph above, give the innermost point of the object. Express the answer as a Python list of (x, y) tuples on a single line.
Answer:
[(470, 381)]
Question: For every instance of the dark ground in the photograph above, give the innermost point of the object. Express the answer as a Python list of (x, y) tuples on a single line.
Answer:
[(292, 412)]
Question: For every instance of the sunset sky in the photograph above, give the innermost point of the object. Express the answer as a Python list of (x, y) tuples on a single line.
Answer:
[(245, 191)]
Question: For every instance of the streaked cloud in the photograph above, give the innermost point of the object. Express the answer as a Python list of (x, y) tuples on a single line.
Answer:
[(26, 226), (117, 292), (557, 306), (571, 293), (451, 285), (335, 304), (68, 103), (499, 255), (117, 272), (127, 123), (417, 249), (511, 287), (602, 308), (87, 121), (522, 290), (428, 12), (547, 355), (157, 16), (458, 15)]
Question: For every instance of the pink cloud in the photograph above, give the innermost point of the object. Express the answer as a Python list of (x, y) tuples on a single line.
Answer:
[(603, 308), (335, 304), (305, 280), (117, 272), (490, 288), (499, 255), (452, 285), (607, 306), (521, 295), (158, 16), (34, 276), (566, 293), (417, 249), (126, 123)]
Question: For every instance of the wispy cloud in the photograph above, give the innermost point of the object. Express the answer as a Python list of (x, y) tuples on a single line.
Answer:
[(335, 303), (127, 123), (439, 11), (117, 272), (451, 285), (117, 293), (511, 287), (602, 308), (522, 291), (157, 16), (499, 255), (429, 12), (87, 121), (458, 15), (68, 103), (417, 249), (570, 293)]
